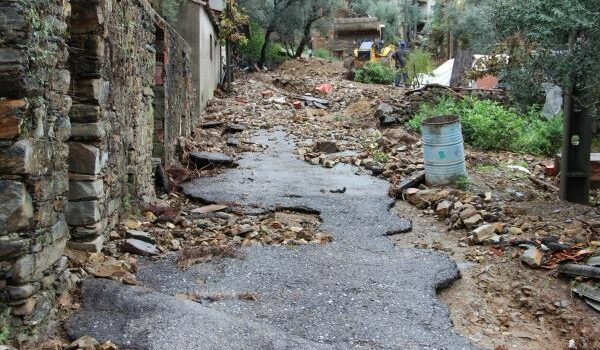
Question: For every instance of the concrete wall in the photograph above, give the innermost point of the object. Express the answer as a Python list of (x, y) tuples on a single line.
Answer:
[(77, 132), (196, 27)]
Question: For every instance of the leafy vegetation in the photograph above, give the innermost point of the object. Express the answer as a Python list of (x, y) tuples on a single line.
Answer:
[(375, 73), (324, 54), (419, 62), (5, 329), (403, 15), (292, 21), (232, 18), (462, 183), (550, 41), (468, 22), (489, 125), (251, 48)]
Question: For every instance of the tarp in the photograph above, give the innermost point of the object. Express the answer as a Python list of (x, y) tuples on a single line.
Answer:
[(441, 75)]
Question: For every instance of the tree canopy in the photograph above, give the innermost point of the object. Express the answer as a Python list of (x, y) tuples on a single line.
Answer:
[(552, 41)]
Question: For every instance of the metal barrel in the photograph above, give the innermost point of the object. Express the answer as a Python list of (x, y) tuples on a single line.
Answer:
[(443, 150)]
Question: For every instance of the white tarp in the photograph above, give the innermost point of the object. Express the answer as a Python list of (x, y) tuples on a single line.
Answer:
[(441, 75)]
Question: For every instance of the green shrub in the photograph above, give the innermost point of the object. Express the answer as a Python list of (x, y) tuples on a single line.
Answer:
[(375, 73), (251, 50), (489, 125), (5, 328), (324, 54), (419, 62)]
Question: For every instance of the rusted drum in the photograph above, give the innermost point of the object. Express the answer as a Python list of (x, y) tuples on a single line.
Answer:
[(443, 150)]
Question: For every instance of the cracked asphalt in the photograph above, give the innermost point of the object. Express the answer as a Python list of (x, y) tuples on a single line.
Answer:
[(358, 292)]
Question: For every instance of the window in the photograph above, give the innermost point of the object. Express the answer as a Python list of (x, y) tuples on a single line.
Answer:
[(211, 47)]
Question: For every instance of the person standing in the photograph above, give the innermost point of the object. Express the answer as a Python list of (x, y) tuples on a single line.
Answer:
[(400, 56), (310, 47)]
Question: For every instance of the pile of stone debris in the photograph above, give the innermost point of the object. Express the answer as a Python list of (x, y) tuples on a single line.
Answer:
[(571, 249)]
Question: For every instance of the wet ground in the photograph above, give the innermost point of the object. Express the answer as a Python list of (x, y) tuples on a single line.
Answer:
[(358, 292)]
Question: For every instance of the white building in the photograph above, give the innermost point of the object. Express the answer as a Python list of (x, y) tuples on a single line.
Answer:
[(199, 25)]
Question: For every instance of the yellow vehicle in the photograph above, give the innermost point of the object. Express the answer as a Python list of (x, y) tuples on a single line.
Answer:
[(368, 51)]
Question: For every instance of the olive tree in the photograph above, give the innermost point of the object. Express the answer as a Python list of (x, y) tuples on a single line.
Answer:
[(557, 41)]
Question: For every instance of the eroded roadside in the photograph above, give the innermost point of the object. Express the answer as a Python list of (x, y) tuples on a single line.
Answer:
[(356, 291)]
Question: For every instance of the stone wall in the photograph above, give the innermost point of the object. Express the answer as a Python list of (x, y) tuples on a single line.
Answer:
[(77, 123), (34, 125), (177, 115), (394, 112)]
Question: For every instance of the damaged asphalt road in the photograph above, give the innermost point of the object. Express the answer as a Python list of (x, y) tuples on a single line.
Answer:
[(358, 292)]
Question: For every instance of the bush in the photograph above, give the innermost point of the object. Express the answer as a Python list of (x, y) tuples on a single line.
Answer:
[(489, 125), (375, 73), (250, 51), (419, 62), (324, 54)]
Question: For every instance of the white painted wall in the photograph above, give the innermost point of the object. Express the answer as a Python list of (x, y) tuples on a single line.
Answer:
[(198, 30), (210, 58)]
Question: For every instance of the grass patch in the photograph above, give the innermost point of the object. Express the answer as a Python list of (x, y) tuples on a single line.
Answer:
[(375, 73), (489, 125), (486, 169), (325, 54), (462, 183), (5, 329)]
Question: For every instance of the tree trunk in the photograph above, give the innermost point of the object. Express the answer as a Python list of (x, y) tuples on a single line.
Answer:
[(263, 50), (462, 62), (305, 37)]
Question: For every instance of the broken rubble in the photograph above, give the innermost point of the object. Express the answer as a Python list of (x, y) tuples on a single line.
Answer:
[(141, 236), (443, 209), (482, 233), (326, 146), (473, 221), (532, 256), (211, 159), (138, 247)]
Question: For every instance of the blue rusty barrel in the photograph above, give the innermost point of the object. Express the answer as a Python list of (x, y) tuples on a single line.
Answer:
[(443, 150)]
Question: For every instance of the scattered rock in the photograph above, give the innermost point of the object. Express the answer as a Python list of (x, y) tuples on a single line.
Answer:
[(212, 124), (24, 309), (443, 209), (93, 246), (532, 256), (326, 146), (211, 159), (473, 221), (482, 233), (233, 142), (514, 231), (138, 247), (420, 198), (234, 128), (86, 343), (141, 236), (375, 167), (209, 209), (22, 291)]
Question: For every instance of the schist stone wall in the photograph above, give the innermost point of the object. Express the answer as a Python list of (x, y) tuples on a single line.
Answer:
[(78, 128)]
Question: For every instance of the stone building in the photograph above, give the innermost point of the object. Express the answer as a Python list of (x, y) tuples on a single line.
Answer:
[(348, 32), (90, 93)]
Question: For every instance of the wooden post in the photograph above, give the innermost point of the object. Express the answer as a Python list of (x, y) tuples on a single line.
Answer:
[(575, 168)]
